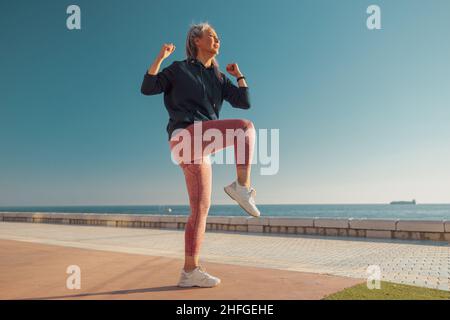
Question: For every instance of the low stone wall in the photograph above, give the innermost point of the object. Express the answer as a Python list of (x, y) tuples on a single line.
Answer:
[(364, 228)]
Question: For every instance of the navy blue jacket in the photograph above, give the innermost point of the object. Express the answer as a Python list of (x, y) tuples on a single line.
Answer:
[(193, 92)]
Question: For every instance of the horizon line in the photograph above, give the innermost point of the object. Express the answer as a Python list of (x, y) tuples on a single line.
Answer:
[(186, 204)]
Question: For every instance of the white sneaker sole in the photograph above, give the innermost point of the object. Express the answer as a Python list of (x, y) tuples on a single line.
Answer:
[(230, 192), (186, 285)]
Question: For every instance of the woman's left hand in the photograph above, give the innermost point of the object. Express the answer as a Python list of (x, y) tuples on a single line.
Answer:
[(233, 69)]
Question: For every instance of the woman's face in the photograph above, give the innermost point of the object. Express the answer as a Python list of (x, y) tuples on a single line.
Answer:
[(209, 42)]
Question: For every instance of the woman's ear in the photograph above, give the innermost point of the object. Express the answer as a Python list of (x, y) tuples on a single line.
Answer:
[(196, 40)]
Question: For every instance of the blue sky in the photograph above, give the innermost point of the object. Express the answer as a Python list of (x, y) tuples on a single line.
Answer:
[(363, 115)]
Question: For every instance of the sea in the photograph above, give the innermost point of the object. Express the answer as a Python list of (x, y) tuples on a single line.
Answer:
[(368, 211)]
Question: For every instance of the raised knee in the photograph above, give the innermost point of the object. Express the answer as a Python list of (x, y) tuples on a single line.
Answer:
[(247, 124)]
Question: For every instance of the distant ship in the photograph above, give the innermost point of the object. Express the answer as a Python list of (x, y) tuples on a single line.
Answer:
[(404, 202)]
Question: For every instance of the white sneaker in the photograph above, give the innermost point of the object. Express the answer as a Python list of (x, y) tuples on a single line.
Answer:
[(197, 278), (244, 196)]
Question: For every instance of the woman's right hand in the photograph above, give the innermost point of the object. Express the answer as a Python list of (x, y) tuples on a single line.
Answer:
[(166, 50)]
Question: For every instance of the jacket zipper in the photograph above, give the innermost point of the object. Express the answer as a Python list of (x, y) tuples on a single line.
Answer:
[(203, 83), (204, 91)]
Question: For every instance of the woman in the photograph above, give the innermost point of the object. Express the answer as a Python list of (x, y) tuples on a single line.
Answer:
[(194, 90)]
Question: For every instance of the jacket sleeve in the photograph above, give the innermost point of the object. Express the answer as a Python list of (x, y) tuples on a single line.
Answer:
[(160, 82), (238, 97)]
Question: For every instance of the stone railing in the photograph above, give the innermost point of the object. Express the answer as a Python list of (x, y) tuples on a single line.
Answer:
[(364, 228)]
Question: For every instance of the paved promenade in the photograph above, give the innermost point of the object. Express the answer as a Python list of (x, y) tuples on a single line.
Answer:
[(411, 262)]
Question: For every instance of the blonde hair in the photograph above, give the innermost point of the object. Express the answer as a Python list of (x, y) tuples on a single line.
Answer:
[(196, 31)]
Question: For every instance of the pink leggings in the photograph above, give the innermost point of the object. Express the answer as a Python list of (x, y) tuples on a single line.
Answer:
[(198, 176)]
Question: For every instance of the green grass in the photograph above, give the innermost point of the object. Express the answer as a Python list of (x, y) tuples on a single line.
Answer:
[(389, 291)]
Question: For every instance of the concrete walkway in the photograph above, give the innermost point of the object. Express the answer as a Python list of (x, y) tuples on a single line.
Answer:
[(413, 262), (38, 271)]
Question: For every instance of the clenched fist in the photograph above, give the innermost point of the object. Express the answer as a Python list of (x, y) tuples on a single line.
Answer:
[(233, 69), (166, 50)]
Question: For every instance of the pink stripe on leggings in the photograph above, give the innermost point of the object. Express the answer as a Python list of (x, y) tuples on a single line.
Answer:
[(198, 176)]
